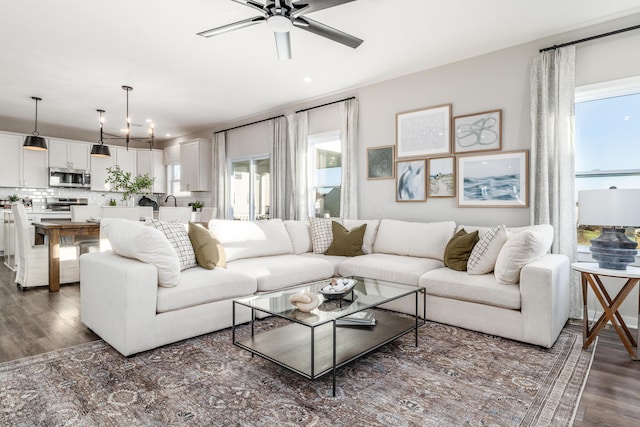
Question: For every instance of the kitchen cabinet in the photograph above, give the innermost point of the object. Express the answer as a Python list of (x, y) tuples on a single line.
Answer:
[(195, 165), (152, 162), (22, 168), (126, 159), (99, 172), (68, 154)]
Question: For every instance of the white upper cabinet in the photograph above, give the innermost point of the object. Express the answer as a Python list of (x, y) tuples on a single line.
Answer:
[(99, 167), (195, 165), (126, 159), (151, 162), (68, 154), (22, 168)]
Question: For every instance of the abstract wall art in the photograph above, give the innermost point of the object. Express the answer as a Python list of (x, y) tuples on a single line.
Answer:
[(411, 181)]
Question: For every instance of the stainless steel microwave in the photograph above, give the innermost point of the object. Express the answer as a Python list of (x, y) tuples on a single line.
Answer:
[(70, 178)]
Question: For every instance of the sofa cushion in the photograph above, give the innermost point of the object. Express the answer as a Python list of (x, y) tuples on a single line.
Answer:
[(281, 271), (321, 233), (201, 286), (333, 259), (346, 242), (132, 239), (485, 253), (425, 240), (482, 289), (250, 239), (177, 235), (208, 249), (520, 249), (457, 251), (393, 268), (300, 235), (369, 235)]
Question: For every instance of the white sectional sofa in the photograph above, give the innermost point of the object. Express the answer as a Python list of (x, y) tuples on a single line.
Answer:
[(122, 302)]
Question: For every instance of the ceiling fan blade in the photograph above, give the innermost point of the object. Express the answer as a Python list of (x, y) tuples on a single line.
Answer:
[(315, 5), (283, 45), (252, 4), (327, 31), (231, 27)]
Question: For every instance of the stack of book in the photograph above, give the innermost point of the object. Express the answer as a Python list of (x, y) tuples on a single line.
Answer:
[(361, 318)]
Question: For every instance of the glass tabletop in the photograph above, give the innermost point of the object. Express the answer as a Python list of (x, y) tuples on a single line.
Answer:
[(366, 293)]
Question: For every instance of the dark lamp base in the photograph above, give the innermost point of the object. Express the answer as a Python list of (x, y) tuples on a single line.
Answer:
[(613, 249)]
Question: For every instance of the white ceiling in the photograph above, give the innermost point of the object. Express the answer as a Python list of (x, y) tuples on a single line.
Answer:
[(76, 54)]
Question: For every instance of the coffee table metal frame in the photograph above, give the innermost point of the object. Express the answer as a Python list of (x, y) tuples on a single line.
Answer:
[(298, 346)]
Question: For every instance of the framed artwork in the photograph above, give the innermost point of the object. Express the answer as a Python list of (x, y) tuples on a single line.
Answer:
[(411, 182), (477, 132), (425, 132), (380, 162), (494, 180), (442, 176)]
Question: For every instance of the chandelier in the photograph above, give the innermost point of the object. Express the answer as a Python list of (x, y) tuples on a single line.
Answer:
[(101, 150)]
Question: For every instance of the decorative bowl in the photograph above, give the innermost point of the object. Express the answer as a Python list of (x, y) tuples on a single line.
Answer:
[(337, 288)]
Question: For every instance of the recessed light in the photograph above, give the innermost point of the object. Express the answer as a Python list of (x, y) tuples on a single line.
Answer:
[(149, 120), (168, 135), (627, 118), (307, 79)]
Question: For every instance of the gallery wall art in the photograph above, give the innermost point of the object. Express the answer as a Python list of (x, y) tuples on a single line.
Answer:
[(380, 162), (424, 132), (411, 181), (494, 180), (442, 179), (478, 132)]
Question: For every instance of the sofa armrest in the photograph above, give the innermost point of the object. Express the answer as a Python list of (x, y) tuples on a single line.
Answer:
[(545, 290), (118, 298)]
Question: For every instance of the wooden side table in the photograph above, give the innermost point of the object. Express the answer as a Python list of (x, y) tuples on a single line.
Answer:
[(590, 274)]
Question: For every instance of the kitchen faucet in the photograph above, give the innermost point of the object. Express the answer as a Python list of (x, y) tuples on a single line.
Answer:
[(175, 202)]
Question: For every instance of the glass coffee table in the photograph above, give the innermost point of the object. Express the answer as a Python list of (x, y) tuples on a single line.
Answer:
[(313, 343)]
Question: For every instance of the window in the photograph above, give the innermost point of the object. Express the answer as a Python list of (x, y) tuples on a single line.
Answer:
[(250, 188), (173, 177), (607, 123), (325, 174)]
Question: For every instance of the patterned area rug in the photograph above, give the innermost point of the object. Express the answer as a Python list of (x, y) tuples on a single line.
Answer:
[(454, 377)]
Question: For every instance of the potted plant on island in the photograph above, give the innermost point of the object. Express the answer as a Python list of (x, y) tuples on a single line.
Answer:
[(197, 206), (130, 186)]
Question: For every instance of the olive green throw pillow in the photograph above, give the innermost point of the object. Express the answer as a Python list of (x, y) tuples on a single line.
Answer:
[(458, 250), (346, 242), (209, 251)]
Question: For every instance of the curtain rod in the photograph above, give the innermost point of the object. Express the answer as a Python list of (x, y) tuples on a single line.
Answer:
[(599, 36), (249, 124), (324, 105)]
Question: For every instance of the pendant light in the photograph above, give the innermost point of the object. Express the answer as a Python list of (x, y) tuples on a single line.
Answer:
[(35, 141), (100, 150)]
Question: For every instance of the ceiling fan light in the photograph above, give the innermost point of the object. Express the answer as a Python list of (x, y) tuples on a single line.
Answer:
[(279, 24), (34, 142)]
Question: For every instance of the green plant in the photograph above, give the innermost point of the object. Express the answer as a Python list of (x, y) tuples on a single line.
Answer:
[(123, 181), (197, 205), (14, 197)]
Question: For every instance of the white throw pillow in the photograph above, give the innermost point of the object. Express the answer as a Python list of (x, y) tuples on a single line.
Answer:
[(321, 234), (177, 235), (520, 249), (132, 239), (485, 253)]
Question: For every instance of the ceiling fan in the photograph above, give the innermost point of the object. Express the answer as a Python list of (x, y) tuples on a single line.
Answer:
[(282, 15)]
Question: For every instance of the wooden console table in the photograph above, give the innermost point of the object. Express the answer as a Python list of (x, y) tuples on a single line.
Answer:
[(591, 274), (53, 230)]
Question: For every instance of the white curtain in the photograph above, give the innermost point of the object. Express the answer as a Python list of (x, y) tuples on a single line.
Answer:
[(553, 153), (279, 169), (297, 204), (219, 161), (349, 140)]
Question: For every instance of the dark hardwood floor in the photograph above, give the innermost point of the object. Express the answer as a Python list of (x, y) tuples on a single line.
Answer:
[(36, 321)]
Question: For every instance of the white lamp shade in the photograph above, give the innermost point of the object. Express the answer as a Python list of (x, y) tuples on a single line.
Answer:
[(609, 208)]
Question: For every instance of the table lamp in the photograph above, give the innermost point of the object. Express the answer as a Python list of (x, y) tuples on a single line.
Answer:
[(612, 209)]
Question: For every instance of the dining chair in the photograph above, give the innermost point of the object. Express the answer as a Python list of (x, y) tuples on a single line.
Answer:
[(206, 215), (81, 213), (175, 214), (126, 212), (33, 260), (145, 212)]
